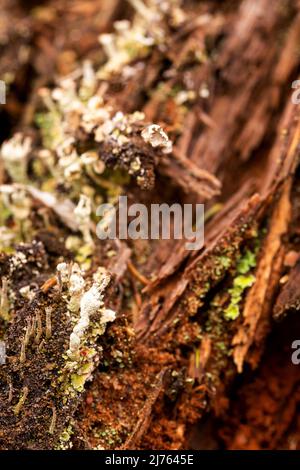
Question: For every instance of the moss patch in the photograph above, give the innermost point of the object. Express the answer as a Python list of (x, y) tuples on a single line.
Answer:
[(240, 284)]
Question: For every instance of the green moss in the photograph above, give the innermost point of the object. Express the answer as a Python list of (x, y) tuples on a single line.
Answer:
[(241, 282), (225, 261), (247, 262), (222, 346), (108, 436), (232, 312)]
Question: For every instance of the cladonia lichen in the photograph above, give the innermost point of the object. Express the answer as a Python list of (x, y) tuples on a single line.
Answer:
[(157, 138), (14, 153), (89, 315)]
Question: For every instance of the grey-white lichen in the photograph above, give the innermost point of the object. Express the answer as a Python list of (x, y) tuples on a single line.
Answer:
[(14, 153), (16, 199), (87, 311), (91, 302), (82, 214), (157, 138)]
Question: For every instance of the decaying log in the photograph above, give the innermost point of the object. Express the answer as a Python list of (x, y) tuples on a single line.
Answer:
[(191, 336)]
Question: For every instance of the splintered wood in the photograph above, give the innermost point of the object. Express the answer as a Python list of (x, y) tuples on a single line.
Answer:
[(140, 343)]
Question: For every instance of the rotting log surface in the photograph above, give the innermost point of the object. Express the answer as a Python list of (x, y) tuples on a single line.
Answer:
[(184, 365)]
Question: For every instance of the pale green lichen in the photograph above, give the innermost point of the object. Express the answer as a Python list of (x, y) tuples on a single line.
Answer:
[(49, 123), (224, 261)]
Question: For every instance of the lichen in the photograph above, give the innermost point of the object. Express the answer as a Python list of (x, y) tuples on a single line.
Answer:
[(90, 317), (157, 137), (14, 153)]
